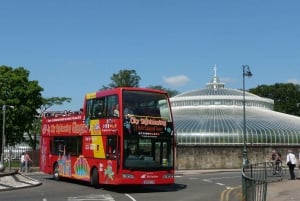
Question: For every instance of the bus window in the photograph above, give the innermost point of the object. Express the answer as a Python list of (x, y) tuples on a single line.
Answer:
[(98, 108), (103, 107), (148, 154), (111, 146), (67, 146), (89, 106), (112, 106), (146, 104), (130, 148)]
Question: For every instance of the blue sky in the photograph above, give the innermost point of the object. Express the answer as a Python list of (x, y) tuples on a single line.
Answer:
[(72, 47)]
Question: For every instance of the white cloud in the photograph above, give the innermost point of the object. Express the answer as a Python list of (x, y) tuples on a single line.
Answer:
[(176, 81), (227, 80), (293, 80)]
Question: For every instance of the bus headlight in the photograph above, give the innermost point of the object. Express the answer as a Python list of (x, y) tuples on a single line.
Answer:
[(127, 176), (168, 176)]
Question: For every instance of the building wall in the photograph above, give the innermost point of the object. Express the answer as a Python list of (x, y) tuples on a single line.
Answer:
[(206, 157)]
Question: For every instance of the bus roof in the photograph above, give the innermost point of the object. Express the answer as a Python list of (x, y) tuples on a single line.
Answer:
[(119, 89)]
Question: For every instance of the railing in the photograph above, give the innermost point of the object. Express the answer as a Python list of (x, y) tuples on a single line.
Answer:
[(13, 154), (255, 178)]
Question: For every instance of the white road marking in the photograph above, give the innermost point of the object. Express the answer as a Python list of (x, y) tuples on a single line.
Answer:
[(93, 197), (130, 197), (220, 184)]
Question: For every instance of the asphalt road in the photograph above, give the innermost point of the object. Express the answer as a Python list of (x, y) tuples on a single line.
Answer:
[(188, 187)]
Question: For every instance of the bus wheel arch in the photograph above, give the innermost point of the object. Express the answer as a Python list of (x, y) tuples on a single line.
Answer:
[(94, 177), (56, 172)]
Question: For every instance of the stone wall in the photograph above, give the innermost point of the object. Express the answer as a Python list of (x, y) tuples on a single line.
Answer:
[(223, 157)]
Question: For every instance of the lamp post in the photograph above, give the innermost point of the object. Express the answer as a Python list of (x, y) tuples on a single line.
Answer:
[(2, 167), (246, 73)]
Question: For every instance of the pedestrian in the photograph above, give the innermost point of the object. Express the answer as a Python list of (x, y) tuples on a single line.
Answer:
[(291, 163), (22, 162), (27, 159), (276, 158)]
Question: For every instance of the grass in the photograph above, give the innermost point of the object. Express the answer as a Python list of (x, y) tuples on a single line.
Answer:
[(13, 164)]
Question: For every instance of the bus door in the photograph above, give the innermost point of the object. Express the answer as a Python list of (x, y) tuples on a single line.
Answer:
[(113, 150)]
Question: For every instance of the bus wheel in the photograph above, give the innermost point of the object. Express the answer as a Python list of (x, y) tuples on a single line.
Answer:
[(55, 172), (95, 178)]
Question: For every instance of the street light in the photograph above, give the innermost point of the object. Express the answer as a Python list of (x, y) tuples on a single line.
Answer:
[(2, 167), (246, 73)]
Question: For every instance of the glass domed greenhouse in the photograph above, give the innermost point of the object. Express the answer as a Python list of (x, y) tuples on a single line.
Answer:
[(214, 116)]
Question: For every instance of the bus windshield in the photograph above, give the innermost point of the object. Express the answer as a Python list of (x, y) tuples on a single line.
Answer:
[(148, 131)]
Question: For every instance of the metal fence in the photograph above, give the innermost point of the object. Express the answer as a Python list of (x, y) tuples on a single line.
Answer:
[(12, 154), (256, 178)]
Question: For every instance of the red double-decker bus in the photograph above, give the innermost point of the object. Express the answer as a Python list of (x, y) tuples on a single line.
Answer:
[(121, 136)]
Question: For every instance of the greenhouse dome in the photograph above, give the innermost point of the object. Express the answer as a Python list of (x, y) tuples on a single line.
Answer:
[(214, 116)]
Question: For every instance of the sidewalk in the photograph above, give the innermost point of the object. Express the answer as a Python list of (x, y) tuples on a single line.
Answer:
[(14, 180), (285, 190)]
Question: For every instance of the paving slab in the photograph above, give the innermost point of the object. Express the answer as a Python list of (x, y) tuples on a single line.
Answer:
[(15, 180)]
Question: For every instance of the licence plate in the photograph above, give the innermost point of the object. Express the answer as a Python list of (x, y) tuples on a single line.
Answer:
[(149, 182)]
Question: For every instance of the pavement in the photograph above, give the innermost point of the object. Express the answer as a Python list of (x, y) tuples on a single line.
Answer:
[(284, 190), (14, 180)]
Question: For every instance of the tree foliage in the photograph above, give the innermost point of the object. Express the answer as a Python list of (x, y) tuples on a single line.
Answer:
[(286, 96), (124, 78), (49, 102), (170, 92), (25, 95), (129, 78), (36, 123)]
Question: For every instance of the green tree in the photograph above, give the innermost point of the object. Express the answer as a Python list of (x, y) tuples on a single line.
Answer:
[(49, 102), (170, 92), (286, 96), (124, 78), (25, 95), (129, 78), (37, 121)]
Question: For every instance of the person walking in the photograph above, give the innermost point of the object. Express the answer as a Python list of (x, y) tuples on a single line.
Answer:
[(276, 158), (291, 163), (22, 162), (27, 159)]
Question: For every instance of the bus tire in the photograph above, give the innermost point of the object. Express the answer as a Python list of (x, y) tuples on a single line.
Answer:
[(56, 172), (95, 178)]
